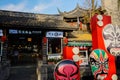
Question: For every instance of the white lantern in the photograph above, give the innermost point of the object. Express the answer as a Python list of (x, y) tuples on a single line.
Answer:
[(114, 77), (75, 50), (99, 17), (100, 23), (76, 58)]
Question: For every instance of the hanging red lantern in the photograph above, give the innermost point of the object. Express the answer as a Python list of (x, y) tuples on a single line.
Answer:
[(44, 40), (65, 40), (85, 47), (81, 47), (3, 38)]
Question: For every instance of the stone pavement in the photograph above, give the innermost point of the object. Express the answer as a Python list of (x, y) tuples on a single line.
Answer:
[(28, 72), (23, 72)]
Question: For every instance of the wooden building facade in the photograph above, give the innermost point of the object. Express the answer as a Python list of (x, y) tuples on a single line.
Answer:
[(45, 33)]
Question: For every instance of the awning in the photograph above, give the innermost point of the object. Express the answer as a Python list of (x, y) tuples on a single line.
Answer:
[(79, 43)]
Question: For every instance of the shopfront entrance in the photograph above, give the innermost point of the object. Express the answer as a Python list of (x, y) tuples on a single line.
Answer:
[(24, 45), (54, 44)]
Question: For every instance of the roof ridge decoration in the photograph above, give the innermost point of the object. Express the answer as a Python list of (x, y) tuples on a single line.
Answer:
[(76, 12)]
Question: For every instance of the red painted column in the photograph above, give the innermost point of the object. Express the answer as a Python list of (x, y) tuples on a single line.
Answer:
[(67, 52), (97, 38)]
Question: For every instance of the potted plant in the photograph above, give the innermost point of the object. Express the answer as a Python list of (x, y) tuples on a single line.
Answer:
[(51, 61)]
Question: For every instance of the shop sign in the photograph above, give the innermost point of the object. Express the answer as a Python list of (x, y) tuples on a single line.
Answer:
[(36, 32), (55, 34), (15, 31)]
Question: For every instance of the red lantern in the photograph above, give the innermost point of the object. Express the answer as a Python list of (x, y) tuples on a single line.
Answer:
[(3, 38), (81, 47), (85, 48), (44, 40), (65, 40)]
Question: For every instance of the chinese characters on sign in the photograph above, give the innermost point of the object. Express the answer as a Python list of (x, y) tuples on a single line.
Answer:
[(54, 34)]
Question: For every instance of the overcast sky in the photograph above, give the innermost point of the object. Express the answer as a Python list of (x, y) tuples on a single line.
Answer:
[(40, 6)]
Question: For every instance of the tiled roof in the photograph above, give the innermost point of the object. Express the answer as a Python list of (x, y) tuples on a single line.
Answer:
[(34, 20)]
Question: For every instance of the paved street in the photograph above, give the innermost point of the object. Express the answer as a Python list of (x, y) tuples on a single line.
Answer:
[(23, 72), (28, 72)]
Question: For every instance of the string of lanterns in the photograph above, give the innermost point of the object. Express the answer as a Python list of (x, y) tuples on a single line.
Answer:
[(82, 47)]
